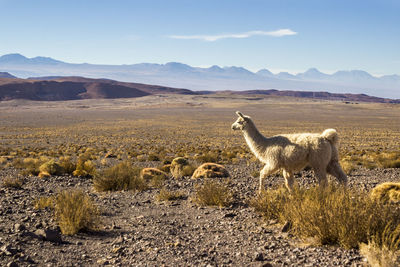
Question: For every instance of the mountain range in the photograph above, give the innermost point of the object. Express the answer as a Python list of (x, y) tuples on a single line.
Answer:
[(179, 75), (75, 88)]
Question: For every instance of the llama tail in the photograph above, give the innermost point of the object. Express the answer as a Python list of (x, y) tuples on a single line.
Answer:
[(331, 135)]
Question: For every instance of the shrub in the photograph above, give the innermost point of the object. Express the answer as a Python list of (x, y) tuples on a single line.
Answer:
[(85, 167), (166, 195), (10, 182), (122, 176), (180, 167), (44, 202), (210, 170), (67, 165), (208, 157), (386, 193), (75, 211), (50, 168), (30, 166), (213, 193), (153, 176), (333, 215), (383, 249)]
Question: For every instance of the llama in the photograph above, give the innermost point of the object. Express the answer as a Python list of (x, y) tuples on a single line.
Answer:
[(293, 152)]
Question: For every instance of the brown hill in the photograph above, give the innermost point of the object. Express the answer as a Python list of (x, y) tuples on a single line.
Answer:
[(73, 88), (316, 95)]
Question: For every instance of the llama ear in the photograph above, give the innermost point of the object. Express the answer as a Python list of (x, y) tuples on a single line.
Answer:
[(240, 114)]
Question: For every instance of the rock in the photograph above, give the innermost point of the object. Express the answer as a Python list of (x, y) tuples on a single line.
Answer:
[(258, 256), (12, 264), (19, 227), (210, 170), (286, 227), (49, 235), (8, 250)]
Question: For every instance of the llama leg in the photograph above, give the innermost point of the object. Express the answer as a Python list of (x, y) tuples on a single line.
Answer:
[(289, 180), (321, 176), (335, 169), (267, 170)]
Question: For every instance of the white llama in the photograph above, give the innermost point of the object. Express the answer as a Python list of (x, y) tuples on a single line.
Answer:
[(293, 152)]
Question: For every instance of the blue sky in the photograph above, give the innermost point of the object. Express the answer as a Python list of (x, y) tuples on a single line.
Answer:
[(281, 35)]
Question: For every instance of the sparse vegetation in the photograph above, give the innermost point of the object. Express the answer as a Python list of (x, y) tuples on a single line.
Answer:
[(213, 193), (180, 167), (331, 216), (167, 195), (12, 182), (122, 176), (73, 209), (210, 170), (386, 193)]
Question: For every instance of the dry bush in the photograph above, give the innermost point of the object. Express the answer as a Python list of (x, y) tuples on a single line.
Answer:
[(75, 211), (387, 193), (333, 215), (44, 202), (122, 176), (85, 166), (10, 182), (67, 165), (29, 166), (208, 157), (271, 203), (180, 167), (167, 195), (50, 168), (210, 170), (213, 193), (383, 249), (153, 176)]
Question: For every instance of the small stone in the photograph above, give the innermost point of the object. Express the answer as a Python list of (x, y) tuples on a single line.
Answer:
[(12, 264), (19, 227), (286, 227), (49, 235), (258, 256)]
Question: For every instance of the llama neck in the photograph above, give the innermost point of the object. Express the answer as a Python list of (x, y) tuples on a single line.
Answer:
[(254, 139)]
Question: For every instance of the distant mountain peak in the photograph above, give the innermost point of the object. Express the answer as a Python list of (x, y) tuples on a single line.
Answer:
[(13, 58), (6, 75), (265, 72), (20, 59)]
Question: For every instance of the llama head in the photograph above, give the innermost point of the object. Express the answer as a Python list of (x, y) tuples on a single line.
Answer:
[(241, 122)]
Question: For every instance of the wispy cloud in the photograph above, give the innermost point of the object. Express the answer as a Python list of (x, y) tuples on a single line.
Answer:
[(212, 38)]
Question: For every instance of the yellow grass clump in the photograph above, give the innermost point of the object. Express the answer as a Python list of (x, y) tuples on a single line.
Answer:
[(180, 167), (210, 170), (387, 192), (167, 195), (334, 215), (10, 182), (73, 209), (153, 176), (122, 176), (213, 193)]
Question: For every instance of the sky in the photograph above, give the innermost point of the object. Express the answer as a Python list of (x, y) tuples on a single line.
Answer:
[(280, 35)]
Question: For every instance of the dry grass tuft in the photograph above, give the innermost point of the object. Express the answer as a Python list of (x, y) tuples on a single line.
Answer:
[(122, 176), (331, 216), (212, 193), (210, 170), (10, 182), (180, 167), (386, 193), (67, 165), (154, 177), (50, 168), (44, 202), (167, 195), (85, 167), (383, 249), (75, 211)]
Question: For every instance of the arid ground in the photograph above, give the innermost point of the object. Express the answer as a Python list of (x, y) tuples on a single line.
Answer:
[(138, 230)]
